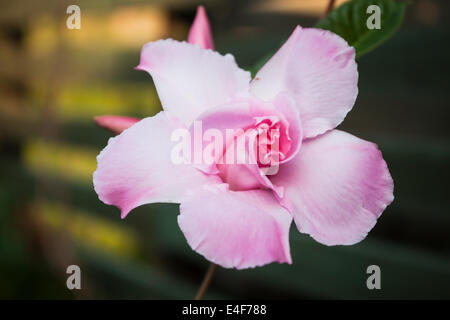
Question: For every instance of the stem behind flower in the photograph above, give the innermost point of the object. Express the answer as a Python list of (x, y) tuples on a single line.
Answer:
[(206, 281)]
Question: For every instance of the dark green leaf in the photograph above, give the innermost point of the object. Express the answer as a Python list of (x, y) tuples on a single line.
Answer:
[(349, 21)]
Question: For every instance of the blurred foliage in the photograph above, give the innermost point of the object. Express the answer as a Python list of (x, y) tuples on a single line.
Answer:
[(54, 80), (80, 102), (87, 229), (64, 160)]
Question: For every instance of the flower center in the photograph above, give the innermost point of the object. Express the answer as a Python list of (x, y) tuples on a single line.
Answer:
[(271, 144)]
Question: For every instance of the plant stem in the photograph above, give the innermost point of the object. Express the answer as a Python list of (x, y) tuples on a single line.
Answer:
[(329, 8), (206, 281)]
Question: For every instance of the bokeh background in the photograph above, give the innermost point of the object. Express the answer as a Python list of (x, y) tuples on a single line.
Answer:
[(53, 81)]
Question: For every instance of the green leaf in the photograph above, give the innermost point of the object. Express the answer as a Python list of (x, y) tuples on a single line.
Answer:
[(349, 21)]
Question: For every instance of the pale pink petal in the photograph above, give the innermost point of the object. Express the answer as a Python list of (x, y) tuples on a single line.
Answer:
[(247, 176), (286, 106), (242, 229), (136, 168), (200, 32), (336, 187), (318, 69), (115, 124), (229, 117), (189, 79)]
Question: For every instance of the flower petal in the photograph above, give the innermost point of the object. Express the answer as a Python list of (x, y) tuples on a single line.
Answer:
[(286, 106), (336, 187), (115, 124), (318, 69), (189, 79), (200, 32), (241, 229), (135, 167)]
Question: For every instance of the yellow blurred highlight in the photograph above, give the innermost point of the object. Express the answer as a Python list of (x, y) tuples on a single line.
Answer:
[(70, 162), (88, 230), (134, 26), (307, 7), (128, 27)]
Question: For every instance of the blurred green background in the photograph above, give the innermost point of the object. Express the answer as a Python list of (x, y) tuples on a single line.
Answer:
[(53, 81)]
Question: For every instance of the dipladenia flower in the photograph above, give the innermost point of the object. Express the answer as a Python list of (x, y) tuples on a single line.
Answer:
[(332, 184)]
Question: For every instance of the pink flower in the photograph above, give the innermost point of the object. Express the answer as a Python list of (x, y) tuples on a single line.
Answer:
[(332, 184)]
